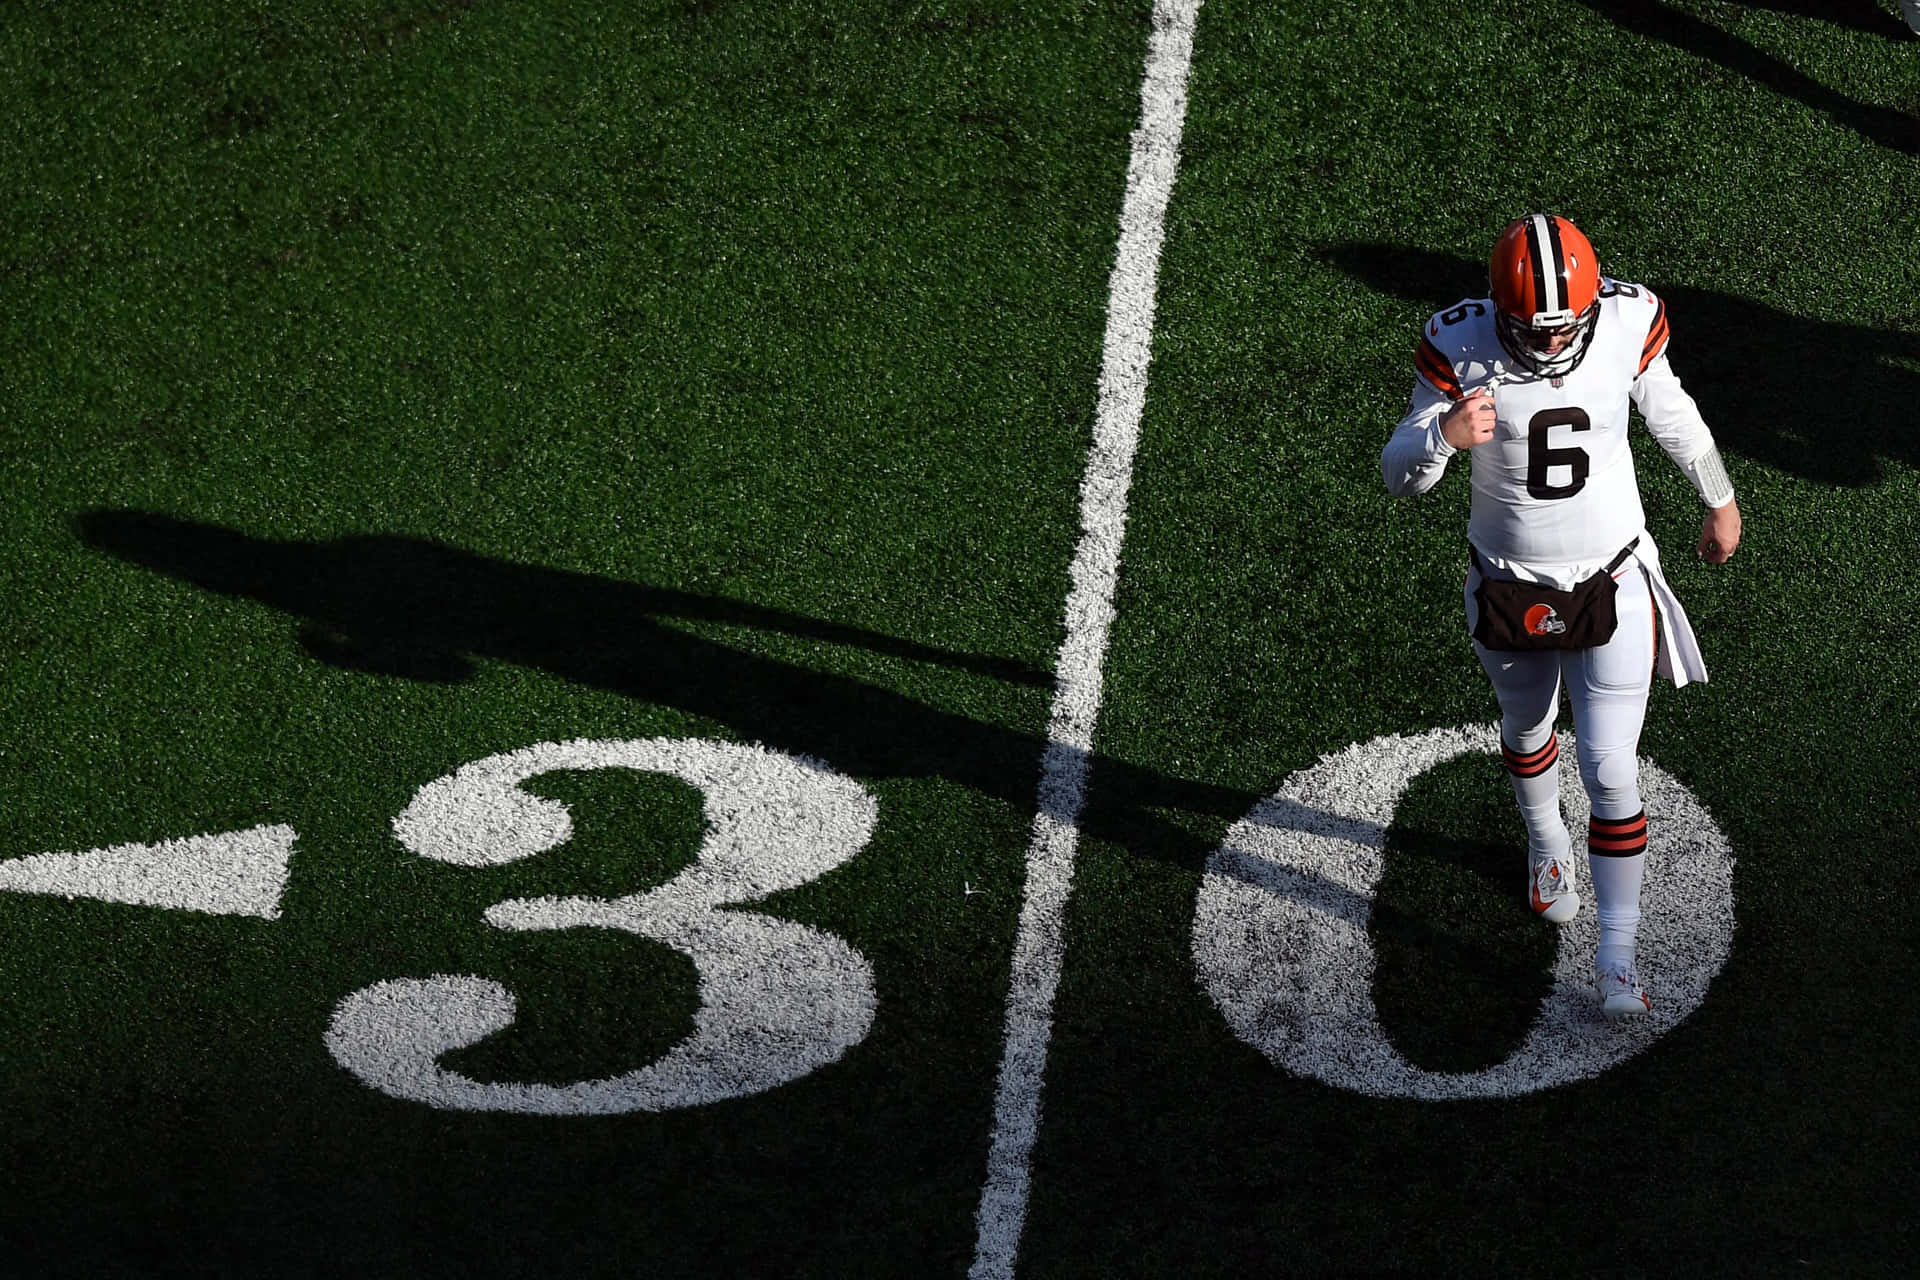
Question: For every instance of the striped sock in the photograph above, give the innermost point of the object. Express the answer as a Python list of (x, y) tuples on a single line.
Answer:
[(1536, 787), (1617, 864)]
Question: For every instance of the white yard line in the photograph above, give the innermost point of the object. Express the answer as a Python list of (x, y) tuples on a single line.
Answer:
[(1039, 947)]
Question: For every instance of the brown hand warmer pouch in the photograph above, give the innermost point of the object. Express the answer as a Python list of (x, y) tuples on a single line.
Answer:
[(1517, 616)]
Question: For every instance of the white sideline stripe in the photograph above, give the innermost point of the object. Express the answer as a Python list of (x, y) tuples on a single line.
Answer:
[(1038, 946)]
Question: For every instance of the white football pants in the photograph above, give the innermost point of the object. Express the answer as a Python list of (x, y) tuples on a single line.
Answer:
[(1606, 687)]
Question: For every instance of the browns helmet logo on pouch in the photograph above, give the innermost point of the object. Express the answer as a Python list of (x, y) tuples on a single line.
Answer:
[(1543, 621)]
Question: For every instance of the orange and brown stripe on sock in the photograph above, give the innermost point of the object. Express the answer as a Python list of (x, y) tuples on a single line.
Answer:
[(1618, 837), (1531, 764)]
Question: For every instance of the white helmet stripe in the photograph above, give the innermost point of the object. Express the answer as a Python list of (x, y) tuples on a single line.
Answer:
[(1548, 268)]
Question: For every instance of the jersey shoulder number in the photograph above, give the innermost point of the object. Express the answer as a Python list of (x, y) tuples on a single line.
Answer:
[(1448, 341), (1642, 314)]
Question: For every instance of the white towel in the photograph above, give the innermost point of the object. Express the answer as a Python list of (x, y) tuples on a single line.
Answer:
[(1679, 657)]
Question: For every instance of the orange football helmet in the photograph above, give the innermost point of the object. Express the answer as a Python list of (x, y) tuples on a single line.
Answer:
[(1545, 280)]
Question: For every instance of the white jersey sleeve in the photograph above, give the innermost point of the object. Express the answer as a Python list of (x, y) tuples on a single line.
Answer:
[(1674, 419), (1416, 454)]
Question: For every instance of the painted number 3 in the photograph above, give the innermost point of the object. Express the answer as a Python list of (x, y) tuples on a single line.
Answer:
[(777, 999)]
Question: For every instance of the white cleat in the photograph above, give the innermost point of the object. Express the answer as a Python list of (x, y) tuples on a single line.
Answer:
[(1552, 894), (1621, 995)]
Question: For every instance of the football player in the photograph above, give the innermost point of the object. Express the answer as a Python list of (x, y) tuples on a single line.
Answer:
[(1564, 584)]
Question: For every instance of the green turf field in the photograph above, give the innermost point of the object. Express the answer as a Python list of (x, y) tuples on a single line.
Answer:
[(394, 385)]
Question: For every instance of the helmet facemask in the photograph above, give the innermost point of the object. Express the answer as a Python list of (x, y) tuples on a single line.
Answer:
[(1528, 343)]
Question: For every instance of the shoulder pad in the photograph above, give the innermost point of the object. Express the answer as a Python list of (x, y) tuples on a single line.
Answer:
[(1450, 340), (1642, 312), (1455, 317)]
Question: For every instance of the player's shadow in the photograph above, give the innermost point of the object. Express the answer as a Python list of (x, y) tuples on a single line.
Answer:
[(1828, 402), (1663, 22), (423, 610)]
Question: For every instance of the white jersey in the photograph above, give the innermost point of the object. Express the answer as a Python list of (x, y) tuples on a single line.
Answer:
[(1554, 493)]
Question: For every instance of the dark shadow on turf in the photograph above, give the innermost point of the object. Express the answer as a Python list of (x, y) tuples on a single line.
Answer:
[(1408, 928), (423, 610), (1657, 21), (1854, 15), (1828, 402)]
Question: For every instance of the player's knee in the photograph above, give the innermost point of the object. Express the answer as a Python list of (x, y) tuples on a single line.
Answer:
[(1612, 779), (1525, 736)]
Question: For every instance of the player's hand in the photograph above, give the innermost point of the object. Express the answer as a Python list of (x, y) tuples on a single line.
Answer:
[(1469, 422), (1720, 533)]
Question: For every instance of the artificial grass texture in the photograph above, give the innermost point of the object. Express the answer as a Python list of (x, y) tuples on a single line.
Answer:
[(396, 384)]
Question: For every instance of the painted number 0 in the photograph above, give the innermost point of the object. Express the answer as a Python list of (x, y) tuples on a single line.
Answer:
[(777, 999), (1280, 929)]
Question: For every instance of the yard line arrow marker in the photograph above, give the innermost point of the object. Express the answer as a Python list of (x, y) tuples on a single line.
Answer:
[(234, 873)]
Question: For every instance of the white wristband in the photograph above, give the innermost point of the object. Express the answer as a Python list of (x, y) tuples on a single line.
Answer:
[(1710, 479)]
